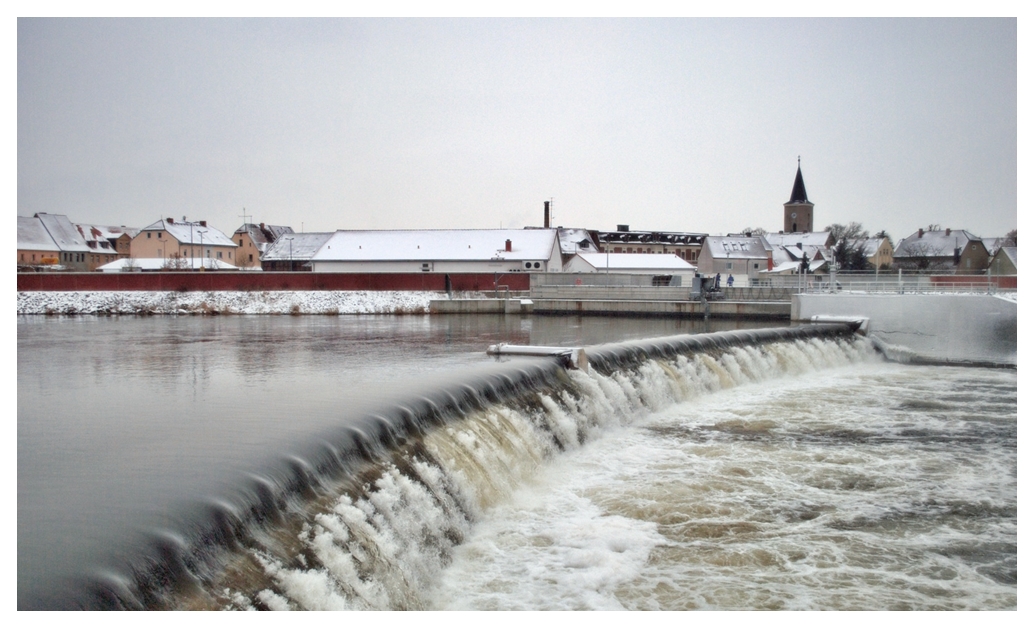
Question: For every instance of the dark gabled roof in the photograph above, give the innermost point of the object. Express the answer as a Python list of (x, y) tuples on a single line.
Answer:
[(262, 233), (799, 194), (652, 237)]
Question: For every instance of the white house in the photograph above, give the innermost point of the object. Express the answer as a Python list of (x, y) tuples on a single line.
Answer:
[(151, 264), (441, 251), (630, 263), (735, 255)]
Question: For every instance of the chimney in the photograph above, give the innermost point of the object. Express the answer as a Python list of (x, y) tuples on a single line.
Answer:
[(947, 232), (169, 220), (203, 223), (920, 232), (262, 225), (545, 222), (622, 227), (509, 245)]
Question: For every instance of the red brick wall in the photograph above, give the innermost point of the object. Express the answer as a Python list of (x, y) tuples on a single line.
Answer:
[(223, 280), (1002, 281)]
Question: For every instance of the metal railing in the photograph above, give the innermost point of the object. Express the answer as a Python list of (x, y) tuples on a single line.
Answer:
[(613, 293), (886, 283)]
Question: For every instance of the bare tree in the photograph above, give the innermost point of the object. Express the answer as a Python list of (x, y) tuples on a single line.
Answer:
[(849, 246), (918, 256)]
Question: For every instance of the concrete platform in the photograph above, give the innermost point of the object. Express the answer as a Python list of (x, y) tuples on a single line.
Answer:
[(587, 307), (674, 309), (481, 306)]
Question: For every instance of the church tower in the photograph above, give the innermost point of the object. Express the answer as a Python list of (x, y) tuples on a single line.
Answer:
[(798, 212)]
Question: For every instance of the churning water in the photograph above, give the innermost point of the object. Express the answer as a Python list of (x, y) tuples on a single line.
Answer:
[(380, 463)]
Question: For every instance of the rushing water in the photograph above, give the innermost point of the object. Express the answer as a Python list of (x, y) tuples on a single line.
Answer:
[(231, 463)]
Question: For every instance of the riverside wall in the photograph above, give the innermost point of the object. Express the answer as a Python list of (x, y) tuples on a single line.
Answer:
[(269, 281)]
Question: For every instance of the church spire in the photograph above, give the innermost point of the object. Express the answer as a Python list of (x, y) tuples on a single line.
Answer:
[(798, 212), (799, 194)]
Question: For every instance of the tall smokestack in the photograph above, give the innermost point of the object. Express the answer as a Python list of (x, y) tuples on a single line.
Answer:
[(545, 221)]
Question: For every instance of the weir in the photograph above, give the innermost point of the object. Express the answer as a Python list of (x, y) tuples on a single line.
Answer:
[(368, 515)]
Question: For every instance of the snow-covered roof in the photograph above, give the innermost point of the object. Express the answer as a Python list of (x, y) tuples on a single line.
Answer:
[(263, 233), (159, 263), (667, 262), (98, 232), (99, 237), (869, 246), (1010, 252), (576, 241), (737, 247), (32, 235), (941, 243), (816, 238), (439, 244), (296, 246), (63, 232), (785, 267), (791, 267), (191, 232), (781, 254)]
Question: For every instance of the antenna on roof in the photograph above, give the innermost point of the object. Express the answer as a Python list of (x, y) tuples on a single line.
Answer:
[(244, 215)]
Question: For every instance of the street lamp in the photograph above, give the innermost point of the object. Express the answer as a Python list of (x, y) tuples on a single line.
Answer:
[(290, 253), (201, 233)]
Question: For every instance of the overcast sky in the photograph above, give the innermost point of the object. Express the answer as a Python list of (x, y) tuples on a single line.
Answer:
[(665, 124)]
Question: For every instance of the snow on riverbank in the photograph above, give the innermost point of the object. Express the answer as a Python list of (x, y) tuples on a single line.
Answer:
[(299, 302)]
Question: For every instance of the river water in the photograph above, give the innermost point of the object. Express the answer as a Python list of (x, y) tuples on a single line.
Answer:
[(801, 474)]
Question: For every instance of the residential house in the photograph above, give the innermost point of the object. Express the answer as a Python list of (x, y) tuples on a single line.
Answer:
[(735, 254), (630, 263), (1004, 261), (51, 241), (119, 238), (294, 251), (788, 260), (534, 250), (575, 241), (155, 264), (790, 249), (105, 242), (943, 250), (253, 241), (175, 241), (878, 250)]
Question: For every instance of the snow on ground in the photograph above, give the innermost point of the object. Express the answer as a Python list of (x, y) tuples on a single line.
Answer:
[(226, 302)]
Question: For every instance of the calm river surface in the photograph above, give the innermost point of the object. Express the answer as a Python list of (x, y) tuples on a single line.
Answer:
[(833, 482)]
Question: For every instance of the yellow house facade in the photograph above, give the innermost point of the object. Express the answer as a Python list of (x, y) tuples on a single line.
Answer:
[(172, 240)]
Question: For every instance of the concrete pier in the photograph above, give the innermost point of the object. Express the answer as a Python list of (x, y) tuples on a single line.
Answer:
[(773, 310)]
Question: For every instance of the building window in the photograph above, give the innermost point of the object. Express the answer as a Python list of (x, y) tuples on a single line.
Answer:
[(251, 257), (148, 235), (728, 265)]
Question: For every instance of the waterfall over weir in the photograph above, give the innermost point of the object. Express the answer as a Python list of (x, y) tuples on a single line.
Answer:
[(370, 515)]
